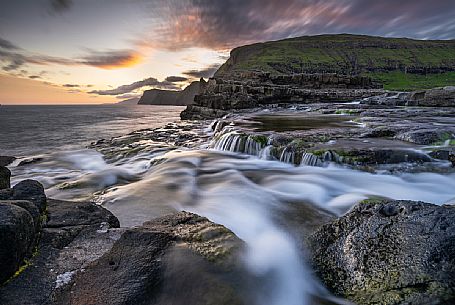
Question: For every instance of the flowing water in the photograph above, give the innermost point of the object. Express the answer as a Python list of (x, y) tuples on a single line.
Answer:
[(246, 192)]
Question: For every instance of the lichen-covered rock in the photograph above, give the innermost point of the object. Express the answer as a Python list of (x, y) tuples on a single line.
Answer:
[(426, 136), (389, 252), (178, 259), (5, 176), (17, 235)]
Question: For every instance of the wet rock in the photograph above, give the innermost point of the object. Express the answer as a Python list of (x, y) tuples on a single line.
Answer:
[(425, 136), (30, 190), (75, 235), (30, 208), (436, 97), (389, 252), (5, 176), (178, 259), (6, 160), (69, 214), (30, 161), (452, 159), (17, 235)]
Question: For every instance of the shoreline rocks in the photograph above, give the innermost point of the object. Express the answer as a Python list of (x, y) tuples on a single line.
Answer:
[(6, 160), (436, 97), (5, 175), (389, 252), (254, 89)]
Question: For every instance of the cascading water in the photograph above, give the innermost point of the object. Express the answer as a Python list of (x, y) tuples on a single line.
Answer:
[(234, 142), (310, 160), (287, 155), (248, 195)]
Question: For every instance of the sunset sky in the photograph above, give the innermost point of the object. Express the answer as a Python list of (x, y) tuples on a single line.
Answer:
[(101, 51)]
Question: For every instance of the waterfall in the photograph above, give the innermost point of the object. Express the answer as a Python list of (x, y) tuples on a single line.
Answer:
[(310, 160), (231, 141), (235, 142), (287, 155), (266, 153)]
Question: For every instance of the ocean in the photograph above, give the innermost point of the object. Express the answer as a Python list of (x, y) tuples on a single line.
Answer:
[(29, 130)]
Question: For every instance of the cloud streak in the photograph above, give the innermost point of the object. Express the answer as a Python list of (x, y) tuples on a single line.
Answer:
[(14, 58), (223, 24)]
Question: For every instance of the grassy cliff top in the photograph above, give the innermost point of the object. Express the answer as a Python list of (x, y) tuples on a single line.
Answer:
[(349, 54)]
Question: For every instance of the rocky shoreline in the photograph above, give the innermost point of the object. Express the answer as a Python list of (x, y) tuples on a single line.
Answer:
[(253, 89), (381, 251)]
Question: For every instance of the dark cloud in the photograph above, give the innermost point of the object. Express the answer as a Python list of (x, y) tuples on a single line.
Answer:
[(205, 73), (111, 58), (5, 44), (71, 86), (148, 82), (14, 59), (223, 24), (34, 77), (60, 6), (176, 79)]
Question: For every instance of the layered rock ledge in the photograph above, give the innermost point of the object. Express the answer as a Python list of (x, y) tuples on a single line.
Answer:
[(253, 89)]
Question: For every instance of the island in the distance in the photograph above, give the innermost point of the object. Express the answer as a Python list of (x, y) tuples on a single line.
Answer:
[(172, 97)]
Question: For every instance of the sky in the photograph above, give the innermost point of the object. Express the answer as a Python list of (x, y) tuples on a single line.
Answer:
[(105, 51)]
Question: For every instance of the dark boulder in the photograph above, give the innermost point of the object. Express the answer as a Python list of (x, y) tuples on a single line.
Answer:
[(389, 252), (17, 235), (6, 160), (30, 208), (30, 190), (5, 176), (178, 259)]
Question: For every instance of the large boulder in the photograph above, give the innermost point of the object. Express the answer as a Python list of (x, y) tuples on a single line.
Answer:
[(5, 176), (178, 259), (6, 160), (30, 190), (389, 252), (17, 235)]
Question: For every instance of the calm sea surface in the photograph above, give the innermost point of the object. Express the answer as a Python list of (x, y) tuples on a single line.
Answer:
[(26, 130)]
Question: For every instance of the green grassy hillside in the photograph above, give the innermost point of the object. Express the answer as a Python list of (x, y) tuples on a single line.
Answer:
[(399, 63)]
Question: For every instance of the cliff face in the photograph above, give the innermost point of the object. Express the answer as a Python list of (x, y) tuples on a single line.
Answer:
[(325, 68), (344, 54), (173, 98)]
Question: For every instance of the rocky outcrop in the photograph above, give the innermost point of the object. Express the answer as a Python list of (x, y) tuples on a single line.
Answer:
[(437, 97), (253, 89), (6, 160), (21, 214), (178, 259), (389, 252), (17, 236), (71, 236), (83, 257), (173, 98)]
